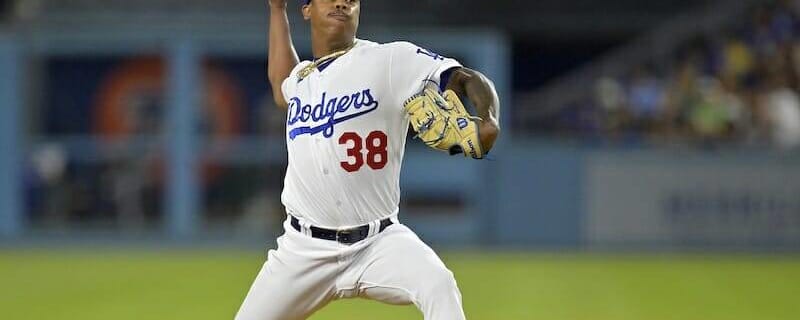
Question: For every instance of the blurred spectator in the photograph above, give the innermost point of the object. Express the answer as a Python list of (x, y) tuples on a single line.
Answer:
[(610, 95), (45, 188), (783, 110), (646, 98), (738, 61), (714, 114), (737, 86)]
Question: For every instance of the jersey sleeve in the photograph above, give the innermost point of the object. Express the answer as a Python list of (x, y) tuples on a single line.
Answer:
[(411, 66), (290, 83), (284, 89)]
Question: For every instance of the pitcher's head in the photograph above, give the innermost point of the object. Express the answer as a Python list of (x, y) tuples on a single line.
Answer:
[(333, 17)]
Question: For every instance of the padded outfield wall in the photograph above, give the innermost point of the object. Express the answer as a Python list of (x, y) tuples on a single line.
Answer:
[(608, 198)]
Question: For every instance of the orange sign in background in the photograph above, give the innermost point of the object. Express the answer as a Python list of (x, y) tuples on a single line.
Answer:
[(131, 102)]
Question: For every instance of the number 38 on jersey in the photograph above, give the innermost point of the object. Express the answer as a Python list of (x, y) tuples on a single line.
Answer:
[(370, 150)]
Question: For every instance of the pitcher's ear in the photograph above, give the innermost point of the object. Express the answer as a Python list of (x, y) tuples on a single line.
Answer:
[(306, 10)]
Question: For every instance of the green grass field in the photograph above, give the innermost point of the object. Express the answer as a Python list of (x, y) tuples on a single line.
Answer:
[(134, 284)]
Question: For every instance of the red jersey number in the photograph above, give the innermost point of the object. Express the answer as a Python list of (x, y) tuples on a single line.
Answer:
[(376, 144)]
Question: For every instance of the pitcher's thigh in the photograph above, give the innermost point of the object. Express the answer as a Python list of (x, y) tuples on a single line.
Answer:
[(288, 289), (401, 269)]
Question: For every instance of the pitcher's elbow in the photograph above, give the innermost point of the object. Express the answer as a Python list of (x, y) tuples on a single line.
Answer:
[(488, 133)]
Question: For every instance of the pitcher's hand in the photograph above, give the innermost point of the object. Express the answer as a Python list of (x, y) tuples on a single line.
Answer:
[(277, 4)]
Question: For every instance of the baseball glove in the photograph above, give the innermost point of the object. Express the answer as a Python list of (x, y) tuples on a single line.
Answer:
[(442, 122)]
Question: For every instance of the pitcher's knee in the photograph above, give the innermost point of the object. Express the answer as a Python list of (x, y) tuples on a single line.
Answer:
[(438, 283)]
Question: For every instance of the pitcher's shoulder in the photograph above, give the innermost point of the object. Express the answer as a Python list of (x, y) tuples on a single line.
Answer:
[(401, 45), (375, 47), (397, 45)]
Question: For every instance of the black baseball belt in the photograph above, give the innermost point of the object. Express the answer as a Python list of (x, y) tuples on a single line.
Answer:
[(346, 236)]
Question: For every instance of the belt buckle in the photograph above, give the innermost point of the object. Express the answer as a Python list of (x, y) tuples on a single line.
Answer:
[(344, 236)]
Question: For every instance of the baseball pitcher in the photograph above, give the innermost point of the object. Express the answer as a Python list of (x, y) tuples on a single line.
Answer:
[(347, 114)]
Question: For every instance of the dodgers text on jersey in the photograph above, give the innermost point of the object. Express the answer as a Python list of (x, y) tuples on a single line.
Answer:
[(306, 118)]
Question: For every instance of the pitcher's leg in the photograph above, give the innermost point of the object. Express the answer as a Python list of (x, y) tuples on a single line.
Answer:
[(398, 268), (289, 286)]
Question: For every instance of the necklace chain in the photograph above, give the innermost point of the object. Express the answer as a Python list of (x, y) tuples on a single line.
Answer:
[(307, 70)]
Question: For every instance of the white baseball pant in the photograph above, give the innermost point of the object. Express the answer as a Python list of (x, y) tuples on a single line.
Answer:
[(395, 266)]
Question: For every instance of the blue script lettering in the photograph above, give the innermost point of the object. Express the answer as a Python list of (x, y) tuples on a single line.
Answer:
[(356, 100), (329, 112), (318, 109), (344, 103), (306, 113)]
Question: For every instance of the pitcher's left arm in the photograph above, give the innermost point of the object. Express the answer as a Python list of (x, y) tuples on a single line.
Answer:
[(481, 92)]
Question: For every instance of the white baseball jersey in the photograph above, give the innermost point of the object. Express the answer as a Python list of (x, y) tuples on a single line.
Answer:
[(346, 132)]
